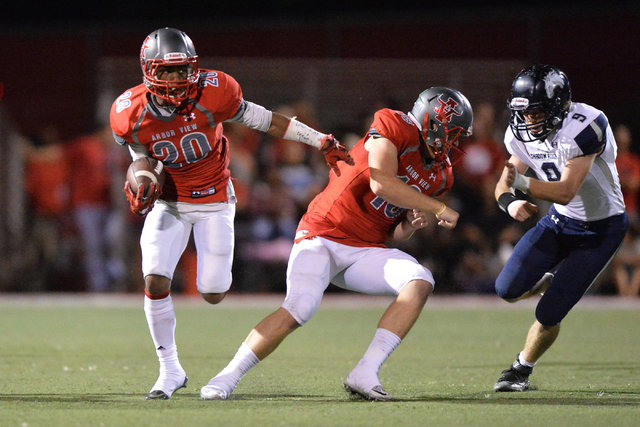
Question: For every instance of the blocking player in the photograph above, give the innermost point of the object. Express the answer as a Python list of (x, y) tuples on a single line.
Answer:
[(401, 166), (571, 148), (176, 116)]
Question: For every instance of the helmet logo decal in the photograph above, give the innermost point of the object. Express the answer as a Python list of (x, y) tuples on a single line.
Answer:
[(551, 81), (175, 57), (446, 110), (146, 45), (519, 103)]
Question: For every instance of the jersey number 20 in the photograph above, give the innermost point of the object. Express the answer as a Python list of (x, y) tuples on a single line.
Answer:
[(195, 146)]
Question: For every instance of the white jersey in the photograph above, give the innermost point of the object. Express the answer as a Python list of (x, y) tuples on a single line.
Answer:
[(585, 130)]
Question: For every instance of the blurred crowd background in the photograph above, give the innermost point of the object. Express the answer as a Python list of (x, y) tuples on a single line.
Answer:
[(65, 223)]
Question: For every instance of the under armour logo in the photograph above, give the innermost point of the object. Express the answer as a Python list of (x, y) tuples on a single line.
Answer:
[(161, 348), (555, 219), (432, 177)]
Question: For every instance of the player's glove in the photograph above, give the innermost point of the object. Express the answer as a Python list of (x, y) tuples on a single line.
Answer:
[(333, 152), (139, 204)]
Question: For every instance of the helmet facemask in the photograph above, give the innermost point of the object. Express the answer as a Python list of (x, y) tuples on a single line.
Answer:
[(446, 116), (173, 91), (533, 130), (443, 141)]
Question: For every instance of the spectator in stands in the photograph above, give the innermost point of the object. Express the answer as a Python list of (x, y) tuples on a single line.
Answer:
[(46, 186), (625, 267), (96, 163), (480, 168), (628, 165)]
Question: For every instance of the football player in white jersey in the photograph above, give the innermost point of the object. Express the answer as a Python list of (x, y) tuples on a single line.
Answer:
[(571, 149)]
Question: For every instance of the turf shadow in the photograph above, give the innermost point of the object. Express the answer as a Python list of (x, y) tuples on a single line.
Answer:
[(69, 398), (559, 398)]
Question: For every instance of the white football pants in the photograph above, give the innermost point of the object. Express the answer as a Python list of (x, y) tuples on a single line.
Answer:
[(166, 233), (314, 263)]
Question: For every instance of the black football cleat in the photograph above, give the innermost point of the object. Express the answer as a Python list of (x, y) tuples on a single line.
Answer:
[(516, 378), (161, 395)]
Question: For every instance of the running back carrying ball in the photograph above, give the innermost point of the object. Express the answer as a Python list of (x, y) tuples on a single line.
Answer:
[(143, 186)]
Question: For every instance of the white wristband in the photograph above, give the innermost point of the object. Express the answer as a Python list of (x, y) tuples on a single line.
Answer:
[(297, 131), (521, 182)]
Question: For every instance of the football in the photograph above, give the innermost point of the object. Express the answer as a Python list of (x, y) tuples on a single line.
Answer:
[(145, 171)]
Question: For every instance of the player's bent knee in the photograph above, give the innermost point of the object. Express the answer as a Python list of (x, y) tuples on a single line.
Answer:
[(508, 297), (289, 322), (506, 292), (212, 298), (301, 307), (425, 288), (418, 290)]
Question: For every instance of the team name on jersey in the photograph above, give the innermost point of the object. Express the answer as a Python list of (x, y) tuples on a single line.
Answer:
[(543, 156), (172, 132), (416, 177)]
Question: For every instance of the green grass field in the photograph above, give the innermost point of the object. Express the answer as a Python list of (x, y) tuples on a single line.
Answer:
[(85, 364)]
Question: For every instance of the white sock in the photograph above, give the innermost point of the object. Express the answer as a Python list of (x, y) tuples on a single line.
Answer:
[(161, 318), (524, 362), (241, 363), (383, 344)]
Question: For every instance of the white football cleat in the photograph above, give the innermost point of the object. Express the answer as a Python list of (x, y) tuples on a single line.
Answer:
[(166, 384), (356, 386), (213, 392)]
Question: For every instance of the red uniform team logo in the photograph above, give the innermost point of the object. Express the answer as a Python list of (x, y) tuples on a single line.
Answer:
[(446, 110), (146, 45)]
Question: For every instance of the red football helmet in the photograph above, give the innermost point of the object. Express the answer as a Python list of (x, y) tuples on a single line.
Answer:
[(168, 48)]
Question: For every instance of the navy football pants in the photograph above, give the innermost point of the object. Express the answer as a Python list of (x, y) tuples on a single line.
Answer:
[(583, 248)]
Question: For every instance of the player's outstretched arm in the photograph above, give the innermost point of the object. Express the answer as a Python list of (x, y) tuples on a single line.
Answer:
[(333, 151)]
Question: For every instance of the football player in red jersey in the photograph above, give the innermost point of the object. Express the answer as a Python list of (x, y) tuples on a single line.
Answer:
[(176, 116), (401, 166)]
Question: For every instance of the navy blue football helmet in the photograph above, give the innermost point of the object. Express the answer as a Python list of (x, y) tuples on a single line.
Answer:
[(543, 89)]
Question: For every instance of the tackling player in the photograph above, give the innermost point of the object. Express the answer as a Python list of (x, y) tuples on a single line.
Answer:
[(176, 116), (401, 165), (571, 148)]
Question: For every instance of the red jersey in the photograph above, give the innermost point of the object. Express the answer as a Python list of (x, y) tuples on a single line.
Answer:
[(348, 212), (190, 143), (628, 165), (88, 160), (46, 178)]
